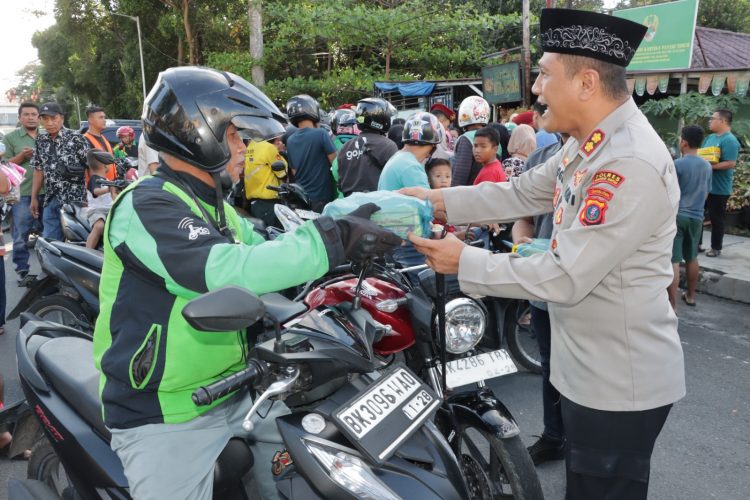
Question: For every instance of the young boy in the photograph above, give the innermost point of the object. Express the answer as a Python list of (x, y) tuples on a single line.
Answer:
[(439, 173), (486, 142), (694, 177), (100, 198)]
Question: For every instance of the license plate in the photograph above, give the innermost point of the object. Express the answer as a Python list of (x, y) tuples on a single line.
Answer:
[(483, 366), (307, 214), (386, 413)]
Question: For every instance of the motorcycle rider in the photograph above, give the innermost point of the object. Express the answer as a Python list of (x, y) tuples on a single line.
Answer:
[(473, 114), (127, 145), (310, 151), (362, 159), (170, 238)]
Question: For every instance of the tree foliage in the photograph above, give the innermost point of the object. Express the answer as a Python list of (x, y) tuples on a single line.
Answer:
[(332, 49)]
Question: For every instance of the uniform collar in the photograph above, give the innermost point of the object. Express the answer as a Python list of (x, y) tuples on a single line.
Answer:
[(592, 145), (22, 131)]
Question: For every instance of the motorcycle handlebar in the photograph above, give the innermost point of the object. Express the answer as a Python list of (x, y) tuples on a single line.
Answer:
[(206, 395), (274, 188)]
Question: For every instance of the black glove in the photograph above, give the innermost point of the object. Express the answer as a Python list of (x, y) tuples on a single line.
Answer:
[(362, 238)]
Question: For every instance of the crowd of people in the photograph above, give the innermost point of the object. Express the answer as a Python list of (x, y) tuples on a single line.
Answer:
[(582, 169)]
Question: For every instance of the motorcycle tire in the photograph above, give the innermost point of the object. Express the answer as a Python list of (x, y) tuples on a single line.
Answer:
[(496, 468), (521, 338), (63, 310), (45, 466)]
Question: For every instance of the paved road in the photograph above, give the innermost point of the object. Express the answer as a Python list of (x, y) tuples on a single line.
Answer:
[(703, 452)]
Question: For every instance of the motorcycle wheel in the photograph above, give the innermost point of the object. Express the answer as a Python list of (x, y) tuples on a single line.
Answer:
[(522, 340), (45, 466), (63, 310), (496, 468)]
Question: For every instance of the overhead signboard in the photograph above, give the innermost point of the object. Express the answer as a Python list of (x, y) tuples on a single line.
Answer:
[(502, 83), (669, 40)]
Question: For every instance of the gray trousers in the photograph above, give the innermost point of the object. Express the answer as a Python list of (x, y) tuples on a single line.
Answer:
[(177, 460)]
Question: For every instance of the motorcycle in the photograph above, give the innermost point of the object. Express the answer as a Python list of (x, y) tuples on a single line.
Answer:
[(353, 432), (67, 289), (430, 333), (75, 224)]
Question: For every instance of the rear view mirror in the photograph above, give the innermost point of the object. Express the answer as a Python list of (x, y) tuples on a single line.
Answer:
[(278, 166), (227, 309)]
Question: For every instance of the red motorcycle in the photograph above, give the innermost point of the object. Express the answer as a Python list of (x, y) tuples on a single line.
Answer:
[(429, 332)]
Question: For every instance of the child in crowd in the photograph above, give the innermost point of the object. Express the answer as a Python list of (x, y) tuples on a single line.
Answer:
[(100, 198), (439, 173), (486, 142)]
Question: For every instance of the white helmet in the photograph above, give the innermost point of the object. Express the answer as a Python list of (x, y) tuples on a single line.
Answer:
[(473, 110)]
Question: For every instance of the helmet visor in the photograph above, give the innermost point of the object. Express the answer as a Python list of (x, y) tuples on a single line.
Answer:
[(258, 128)]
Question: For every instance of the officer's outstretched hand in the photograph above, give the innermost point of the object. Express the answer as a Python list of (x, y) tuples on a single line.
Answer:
[(362, 238)]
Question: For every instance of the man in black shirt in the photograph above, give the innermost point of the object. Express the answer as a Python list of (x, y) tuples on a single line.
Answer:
[(362, 158)]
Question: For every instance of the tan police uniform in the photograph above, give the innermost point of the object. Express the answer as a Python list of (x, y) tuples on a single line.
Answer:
[(615, 197)]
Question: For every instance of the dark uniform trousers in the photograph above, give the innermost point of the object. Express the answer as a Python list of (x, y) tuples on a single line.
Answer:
[(608, 453)]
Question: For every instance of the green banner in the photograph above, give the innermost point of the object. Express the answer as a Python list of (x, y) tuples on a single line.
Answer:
[(669, 40), (502, 83)]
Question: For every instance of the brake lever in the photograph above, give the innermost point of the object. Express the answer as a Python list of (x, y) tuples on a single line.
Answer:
[(275, 389)]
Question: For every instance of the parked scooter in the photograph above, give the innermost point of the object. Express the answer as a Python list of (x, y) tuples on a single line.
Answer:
[(67, 289), (322, 367)]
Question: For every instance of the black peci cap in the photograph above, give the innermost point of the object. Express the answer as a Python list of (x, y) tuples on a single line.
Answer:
[(590, 34)]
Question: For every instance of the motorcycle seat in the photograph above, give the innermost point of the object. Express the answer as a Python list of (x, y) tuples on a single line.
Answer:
[(281, 308), (68, 364), (76, 210), (91, 258)]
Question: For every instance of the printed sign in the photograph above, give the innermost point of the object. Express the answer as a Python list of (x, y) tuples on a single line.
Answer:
[(668, 43)]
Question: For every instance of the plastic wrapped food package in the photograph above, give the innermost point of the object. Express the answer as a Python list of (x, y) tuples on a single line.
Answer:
[(398, 213), (538, 245)]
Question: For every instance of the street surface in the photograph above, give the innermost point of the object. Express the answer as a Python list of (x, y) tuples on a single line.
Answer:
[(702, 453)]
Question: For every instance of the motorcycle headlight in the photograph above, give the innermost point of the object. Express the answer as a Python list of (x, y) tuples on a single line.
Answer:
[(464, 325), (351, 473)]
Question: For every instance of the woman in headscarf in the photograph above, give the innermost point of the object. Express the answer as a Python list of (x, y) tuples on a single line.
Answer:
[(522, 143)]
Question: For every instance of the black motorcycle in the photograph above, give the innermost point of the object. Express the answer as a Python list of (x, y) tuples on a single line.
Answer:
[(67, 289), (353, 432), (75, 224), (431, 328)]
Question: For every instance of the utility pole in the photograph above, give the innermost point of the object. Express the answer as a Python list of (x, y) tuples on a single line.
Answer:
[(255, 19), (526, 55), (140, 48)]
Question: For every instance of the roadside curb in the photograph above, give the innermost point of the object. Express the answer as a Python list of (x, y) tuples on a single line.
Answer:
[(725, 286)]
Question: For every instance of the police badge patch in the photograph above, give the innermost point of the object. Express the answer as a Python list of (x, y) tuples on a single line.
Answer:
[(593, 211), (608, 177)]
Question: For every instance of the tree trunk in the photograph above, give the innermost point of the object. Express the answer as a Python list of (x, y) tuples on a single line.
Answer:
[(189, 35), (255, 18), (526, 55), (180, 51), (388, 62)]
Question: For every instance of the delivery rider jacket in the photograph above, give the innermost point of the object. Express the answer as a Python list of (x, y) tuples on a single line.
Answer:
[(160, 251)]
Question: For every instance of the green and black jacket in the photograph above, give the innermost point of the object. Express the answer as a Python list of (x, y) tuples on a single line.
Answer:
[(160, 252)]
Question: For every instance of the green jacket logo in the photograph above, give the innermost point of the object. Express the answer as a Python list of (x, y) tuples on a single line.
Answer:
[(194, 231)]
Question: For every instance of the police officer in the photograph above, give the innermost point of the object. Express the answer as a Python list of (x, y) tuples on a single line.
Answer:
[(616, 356)]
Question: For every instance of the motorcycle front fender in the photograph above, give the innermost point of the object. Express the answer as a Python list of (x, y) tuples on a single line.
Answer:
[(480, 409)]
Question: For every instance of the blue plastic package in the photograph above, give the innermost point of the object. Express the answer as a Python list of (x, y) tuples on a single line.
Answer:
[(398, 213), (538, 245)]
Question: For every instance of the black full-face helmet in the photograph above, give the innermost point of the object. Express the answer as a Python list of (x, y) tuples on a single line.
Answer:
[(374, 113), (302, 107), (188, 110)]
